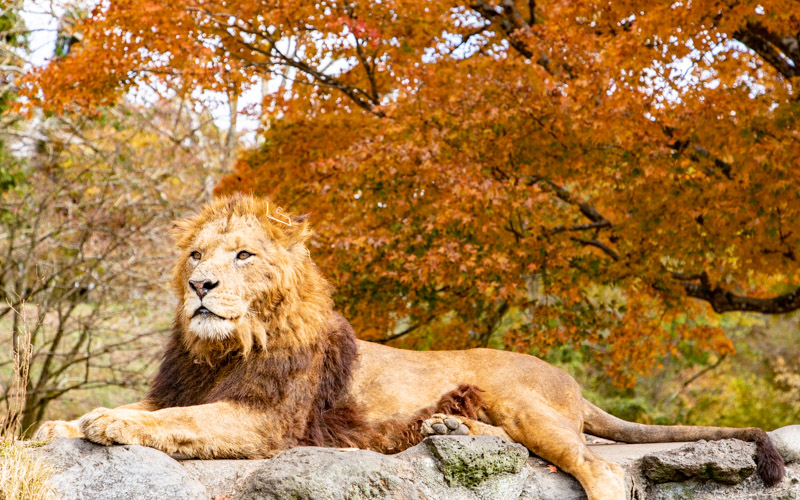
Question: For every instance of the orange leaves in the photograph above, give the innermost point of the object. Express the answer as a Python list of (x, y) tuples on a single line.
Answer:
[(456, 183), (721, 344)]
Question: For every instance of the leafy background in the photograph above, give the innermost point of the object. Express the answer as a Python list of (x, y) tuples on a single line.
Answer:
[(611, 186)]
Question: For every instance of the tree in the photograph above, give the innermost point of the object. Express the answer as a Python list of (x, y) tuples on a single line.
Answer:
[(82, 279), (517, 173), (13, 45)]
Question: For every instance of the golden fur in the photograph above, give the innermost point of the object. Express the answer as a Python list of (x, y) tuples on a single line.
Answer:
[(292, 303), (268, 365)]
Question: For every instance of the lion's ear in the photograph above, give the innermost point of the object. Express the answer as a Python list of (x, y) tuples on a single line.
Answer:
[(297, 219), (180, 228), (299, 232)]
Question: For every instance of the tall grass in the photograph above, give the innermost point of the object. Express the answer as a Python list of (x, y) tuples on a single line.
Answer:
[(22, 477)]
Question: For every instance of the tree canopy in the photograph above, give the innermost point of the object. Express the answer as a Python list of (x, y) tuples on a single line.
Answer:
[(517, 174)]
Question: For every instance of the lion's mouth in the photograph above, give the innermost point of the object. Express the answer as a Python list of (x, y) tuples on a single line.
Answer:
[(205, 312)]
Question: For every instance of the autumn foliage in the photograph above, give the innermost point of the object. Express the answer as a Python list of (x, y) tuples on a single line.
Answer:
[(509, 174)]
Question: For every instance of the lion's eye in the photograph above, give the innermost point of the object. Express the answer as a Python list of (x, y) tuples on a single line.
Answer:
[(195, 255), (243, 255)]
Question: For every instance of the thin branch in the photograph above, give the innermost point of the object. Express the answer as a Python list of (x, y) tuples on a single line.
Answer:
[(398, 334), (581, 227), (598, 244), (509, 21), (704, 371), (365, 100)]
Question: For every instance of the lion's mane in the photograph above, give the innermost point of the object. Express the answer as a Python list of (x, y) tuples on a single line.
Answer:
[(292, 314)]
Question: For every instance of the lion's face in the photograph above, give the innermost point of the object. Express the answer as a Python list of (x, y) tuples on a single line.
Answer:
[(224, 271), (237, 270)]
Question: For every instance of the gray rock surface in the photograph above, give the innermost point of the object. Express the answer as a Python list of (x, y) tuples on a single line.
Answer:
[(544, 484), (728, 461), (442, 467), (85, 471), (750, 489), (497, 471), (222, 477), (787, 441)]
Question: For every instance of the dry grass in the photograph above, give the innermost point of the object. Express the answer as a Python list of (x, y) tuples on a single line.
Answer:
[(22, 477)]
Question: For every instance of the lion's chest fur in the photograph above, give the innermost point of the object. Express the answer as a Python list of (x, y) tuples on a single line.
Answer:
[(303, 385)]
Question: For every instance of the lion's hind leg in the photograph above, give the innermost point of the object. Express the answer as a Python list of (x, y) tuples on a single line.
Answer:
[(392, 436), (558, 439)]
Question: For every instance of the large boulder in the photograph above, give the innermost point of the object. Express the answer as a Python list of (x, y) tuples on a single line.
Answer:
[(446, 467), (787, 441)]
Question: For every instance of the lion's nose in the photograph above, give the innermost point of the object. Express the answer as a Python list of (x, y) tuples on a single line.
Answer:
[(201, 288)]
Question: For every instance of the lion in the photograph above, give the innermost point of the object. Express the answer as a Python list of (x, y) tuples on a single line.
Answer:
[(259, 362)]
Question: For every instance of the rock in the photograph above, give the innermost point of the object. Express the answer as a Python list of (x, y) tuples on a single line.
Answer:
[(787, 441), (438, 468), (85, 471), (468, 460), (545, 484), (226, 478), (446, 467), (727, 461), (310, 473), (750, 489)]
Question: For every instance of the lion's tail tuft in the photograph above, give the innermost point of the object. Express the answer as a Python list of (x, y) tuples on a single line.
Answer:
[(770, 466)]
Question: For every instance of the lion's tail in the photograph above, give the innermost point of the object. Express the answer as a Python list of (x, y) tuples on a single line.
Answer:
[(601, 424)]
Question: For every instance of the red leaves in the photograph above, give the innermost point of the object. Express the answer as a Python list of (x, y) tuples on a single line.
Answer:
[(360, 29)]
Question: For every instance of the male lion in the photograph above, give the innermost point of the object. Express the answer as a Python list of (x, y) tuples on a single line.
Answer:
[(258, 362)]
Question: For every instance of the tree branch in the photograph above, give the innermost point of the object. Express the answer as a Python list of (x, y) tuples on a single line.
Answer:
[(398, 334), (697, 285), (598, 244), (366, 100), (721, 300), (581, 227), (510, 20), (704, 371), (587, 210), (697, 152), (782, 53)]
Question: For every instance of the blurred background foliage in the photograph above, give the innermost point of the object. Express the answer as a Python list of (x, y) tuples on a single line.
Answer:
[(611, 188)]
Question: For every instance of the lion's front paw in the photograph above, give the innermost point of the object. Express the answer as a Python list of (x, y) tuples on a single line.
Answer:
[(55, 429), (104, 426), (440, 424)]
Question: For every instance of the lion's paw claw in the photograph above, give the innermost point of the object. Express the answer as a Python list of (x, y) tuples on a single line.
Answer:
[(444, 425), (104, 426)]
